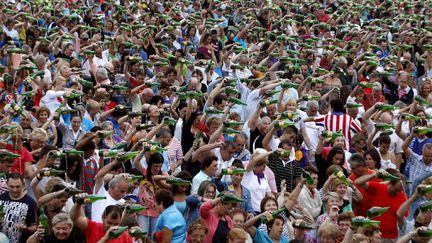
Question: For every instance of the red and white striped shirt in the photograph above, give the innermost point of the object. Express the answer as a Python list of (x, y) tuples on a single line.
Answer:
[(339, 121)]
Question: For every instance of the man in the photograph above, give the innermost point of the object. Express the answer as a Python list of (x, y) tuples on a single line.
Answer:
[(240, 152), (225, 158), (17, 147), (419, 165), (285, 168), (313, 130), (358, 168), (117, 189), (338, 120), (164, 137), (5, 166), (94, 231), (206, 174), (309, 197), (19, 220), (385, 195)]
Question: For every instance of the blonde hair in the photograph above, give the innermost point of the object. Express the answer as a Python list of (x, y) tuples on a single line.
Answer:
[(328, 229), (62, 218), (51, 183), (39, 134), (198, 224), (260, 151), (237, 234)]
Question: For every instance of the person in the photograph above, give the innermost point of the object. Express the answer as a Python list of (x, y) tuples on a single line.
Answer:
[(19, 220), (274, 227), (170, 225), (385, 195), (327, 233), (94, 231), (197, 231), (309, 196), (62, 226), (206, 191), (209, 166)]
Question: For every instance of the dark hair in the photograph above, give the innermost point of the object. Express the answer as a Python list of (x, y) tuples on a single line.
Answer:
[(14, 176), (271, 222), (285, 142), (46, 149), (311, 169), (219, 99), (345, 216), (337, 105), (155, 158), (238, 211), (163, 132), (165, 198), (203, 187), (57, 187), (208, 161), (113, 211), (184, 175), (384, 139), (396, 173), (265, 200), (71, 160), (375, 156), (357, 159), (333, 152), (238, 163), (228, 144)]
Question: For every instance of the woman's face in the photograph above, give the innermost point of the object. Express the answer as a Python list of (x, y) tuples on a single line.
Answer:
[(370, 163), (324, 238), (291, 107), (341, 189), (62, 231), (259, 168), (76, 123), (337, 159), (25, 122), (270, 205), (426, 89), (330, 203), (43, 116), (277, 228), (238, 220), (136, 120), (376, 237), (156, 168), (197, 236), (36, 143), (236, 179), (210, 193)]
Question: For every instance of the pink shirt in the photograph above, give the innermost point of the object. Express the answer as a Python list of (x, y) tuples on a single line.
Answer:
[(211, 220)]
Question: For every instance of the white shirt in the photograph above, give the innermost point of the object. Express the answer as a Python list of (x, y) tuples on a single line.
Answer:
[(222, 164), (197, 180), (99, 206), (50, 100), (258, 190), (11, 33)]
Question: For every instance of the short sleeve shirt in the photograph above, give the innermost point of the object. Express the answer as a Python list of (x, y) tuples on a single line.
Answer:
[(95, 231), (262, 237), (173, 220)]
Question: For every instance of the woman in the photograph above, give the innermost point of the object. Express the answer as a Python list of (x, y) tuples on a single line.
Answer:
[(254, 179), (373, 159), (170, 225), (336, 156), (147, 191), (197, 232), (111, 140), (181, 192), (206, 192), (274, 228), (215, 214), (387, 159), (62, 227), (42, 115), (71, 133), (338, 187), (236, 188), (328, 233), (331, 203), (54, 96)]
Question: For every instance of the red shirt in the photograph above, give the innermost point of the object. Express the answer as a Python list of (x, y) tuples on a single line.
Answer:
[(361, 208), (135, 84), (19, 163), (382, 198), (95, 231)]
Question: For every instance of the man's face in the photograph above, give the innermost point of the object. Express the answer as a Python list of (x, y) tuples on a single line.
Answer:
[(15, 187), (395, 189), (427, 156), (5, 165), (211, 170), (118, 192), (111, 221), (227, 153), (62, 230), (240, 142), (312, 112)]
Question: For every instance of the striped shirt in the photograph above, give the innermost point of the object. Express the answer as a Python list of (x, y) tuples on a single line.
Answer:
[(289, 171), (339, 121)]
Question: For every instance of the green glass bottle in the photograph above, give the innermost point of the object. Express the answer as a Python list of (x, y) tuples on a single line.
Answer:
[(406, 116), (56, 154), (89, 199), (388, 177), (154, 149), (134, 178), (72, 95), (29, 94), (135, 208), (271, 93), (341, 176), (376, 211), (108, 153), (265, 103), (120, 145), (137, 233), (228, 198), (289, 115), (18, 111), (236, 67), (287, 85), (364, 222), (213, 111), (366, 85), (353, 105), (2, 213), (51, 172), (85, 83), (117, 233), (386, 107), (384, 126), (265, 220), (169, 121), (282, 153), (127, 156), (230, 131), (43, 219), (197, 140), (64, 110), (422, 130), (236, 101), (284, 124), (88, 52), (425, 233), (194, 94), (74, 152), (178, 182), (7, 129), (422, 100), (426, 206), (331, 135), (236, 171), (307, 176), (9, 155), (310, 97), (232, 90), (425, 190), (143, 127), (232, 123)]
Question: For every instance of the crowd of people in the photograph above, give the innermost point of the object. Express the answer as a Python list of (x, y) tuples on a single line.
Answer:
[(215, 121)]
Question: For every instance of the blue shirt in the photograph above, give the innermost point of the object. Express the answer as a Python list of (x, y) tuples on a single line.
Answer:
[(172, 219), (262, 237)]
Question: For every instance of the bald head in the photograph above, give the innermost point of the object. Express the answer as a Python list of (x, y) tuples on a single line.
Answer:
[(147, 94), (386, 118)]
